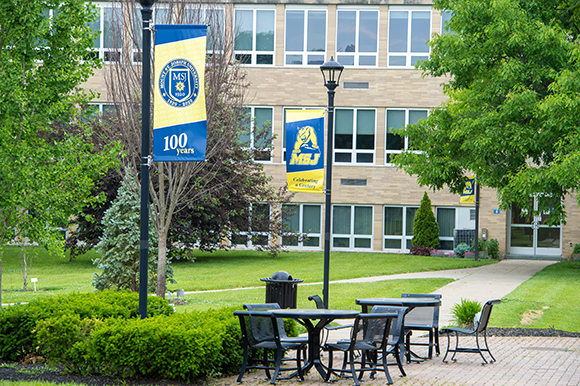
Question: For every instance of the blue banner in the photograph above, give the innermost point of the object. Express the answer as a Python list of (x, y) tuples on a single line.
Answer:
[(179, 116)]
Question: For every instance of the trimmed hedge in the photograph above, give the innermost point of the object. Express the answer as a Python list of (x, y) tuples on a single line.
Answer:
[(18, 323), (179, 347)]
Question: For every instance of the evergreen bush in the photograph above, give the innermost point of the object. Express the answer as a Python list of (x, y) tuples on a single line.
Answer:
[(461, 249), (120, 244), (425, 227)]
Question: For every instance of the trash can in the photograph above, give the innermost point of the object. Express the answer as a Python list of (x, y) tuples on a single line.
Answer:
[(282, 289)]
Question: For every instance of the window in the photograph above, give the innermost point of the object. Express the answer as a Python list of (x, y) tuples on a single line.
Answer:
[(398, 228), (409, 33), (303, 219), (213, 17), (257, 134), (352, 227), (109, 22), (398, 119), (254, 36), (96, 110), (446, 221), (445, 17), (305, 42), (257, 233), (354, 136), (357, 36)]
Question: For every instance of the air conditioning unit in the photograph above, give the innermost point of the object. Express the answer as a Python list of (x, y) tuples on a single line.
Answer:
[(463, 236)]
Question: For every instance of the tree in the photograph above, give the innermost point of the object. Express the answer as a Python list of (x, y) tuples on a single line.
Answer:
[(425, 227), (119, 244), (229, 170), (47, 162), (511, 77)]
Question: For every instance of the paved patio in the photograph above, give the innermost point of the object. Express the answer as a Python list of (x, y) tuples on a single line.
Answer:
[(520, 361)]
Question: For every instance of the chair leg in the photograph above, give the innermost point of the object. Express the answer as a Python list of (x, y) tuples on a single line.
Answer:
[(431, 344), (352, 370), (437, 351), (487, 347), (448, 345), (386, 368), (399, 357), (266, 364), (330, 360), (244, 364), (479, 349)]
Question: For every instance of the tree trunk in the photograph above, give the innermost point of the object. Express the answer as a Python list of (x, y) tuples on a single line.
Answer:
[(161, 263)]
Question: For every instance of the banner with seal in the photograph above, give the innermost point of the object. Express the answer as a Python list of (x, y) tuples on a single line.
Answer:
[(179, 116), (305, 150), (468, 195)]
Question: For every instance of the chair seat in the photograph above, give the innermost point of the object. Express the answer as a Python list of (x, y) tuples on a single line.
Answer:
[(460, 330)]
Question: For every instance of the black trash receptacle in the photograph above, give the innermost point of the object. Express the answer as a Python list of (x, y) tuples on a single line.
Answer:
[(282, 289)]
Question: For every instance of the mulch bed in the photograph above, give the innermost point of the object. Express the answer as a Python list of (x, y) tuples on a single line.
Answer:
[(12, 371)]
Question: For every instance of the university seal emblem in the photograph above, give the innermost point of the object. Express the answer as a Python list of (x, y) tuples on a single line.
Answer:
[(179, 83)]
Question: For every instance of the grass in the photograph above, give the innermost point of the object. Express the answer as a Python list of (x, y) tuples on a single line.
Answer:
[(218, 270), (37, 383), (548, 300)]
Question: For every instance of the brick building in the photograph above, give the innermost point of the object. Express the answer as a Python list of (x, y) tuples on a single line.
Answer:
[(282, 45)]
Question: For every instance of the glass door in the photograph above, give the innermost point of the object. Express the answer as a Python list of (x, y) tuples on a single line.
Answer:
[(530, 235)]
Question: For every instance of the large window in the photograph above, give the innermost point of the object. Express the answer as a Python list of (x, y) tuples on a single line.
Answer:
[(255, 35), (257, 232), (257, 134), (357, 36), (398, 228), (354, 136), (398, 119), (446, 220), (352, 227), (109, 22), (409, 33), (305, 40), (303, 219)]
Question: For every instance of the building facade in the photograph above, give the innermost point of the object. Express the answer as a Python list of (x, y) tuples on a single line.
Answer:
[(282, 45)]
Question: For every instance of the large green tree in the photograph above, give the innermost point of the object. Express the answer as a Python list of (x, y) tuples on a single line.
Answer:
[(511, 74), (47, 160)]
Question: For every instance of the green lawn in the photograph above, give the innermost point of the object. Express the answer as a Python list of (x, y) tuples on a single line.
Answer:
[(219, 270), (549, 299)]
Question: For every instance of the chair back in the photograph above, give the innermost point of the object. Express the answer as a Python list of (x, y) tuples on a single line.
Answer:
[(371, 331), (481, 320), (396, 332), (267, 307), (257, 327), (423, 316), (317, 300)]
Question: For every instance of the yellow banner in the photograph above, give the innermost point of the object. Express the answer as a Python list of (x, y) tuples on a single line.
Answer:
[(468, 195)]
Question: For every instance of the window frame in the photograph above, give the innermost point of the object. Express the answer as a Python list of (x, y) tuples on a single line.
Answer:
[(254, 53), (405, 238), (310, 235), (357, 53), (409, 54), (354, 152), (102, 51), (352, 236), (252, 133), (305, 53), (406, 139), (447, 238)]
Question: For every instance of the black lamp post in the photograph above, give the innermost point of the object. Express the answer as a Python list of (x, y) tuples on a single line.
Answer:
[(331, 71), (147, 13)]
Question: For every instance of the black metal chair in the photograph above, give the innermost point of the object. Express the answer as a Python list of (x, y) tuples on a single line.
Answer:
[(324, 336), (260, 331), (480, 326), (396, 338), (282, 330), (424, 319), (369, 335)]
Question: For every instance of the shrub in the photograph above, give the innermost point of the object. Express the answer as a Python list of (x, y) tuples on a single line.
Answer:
[(18, 323), (469, 255), (493, 248), (464, 312), (180, 347), (576, 249), (425, 227), (438, 253), (420, 250), (460, 249)]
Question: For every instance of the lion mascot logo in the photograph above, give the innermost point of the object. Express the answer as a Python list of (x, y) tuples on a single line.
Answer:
[(306, 139)]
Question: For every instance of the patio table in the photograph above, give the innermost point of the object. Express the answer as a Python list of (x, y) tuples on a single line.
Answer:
[(306, 317)]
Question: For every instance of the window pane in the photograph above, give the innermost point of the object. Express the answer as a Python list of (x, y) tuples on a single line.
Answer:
[(344, 121), (445, 17), (345, 60), (398, 31), (363, 220), (346, 32), (367, 40), (260, 214), (162, 16), (410, 213), (341, 242), (245, 129), (392, 244), (312, 242), (420, 29), (295, 31), (111, 33), (416, 115), (265, 31), (446, 220), (244, 30), (341, 220), (365, 122), (446, 245), (315, 59), (362, 243), (291, 217), (366, 61), (263, 125), (397, 61), (396, 120), (316, 40), (311, 218), (294, 59), (393, 221), (96, 27)]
